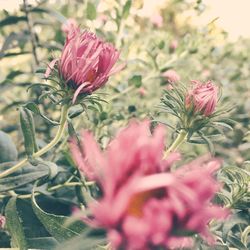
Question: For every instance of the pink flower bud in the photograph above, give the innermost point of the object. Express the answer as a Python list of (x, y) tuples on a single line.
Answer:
[(86, 62), (157, 20), (142, 91), (203, 97), (171, 76), (173, 45)]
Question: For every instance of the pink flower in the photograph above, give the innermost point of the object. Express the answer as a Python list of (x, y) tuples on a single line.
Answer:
[(142, 91), (69, 25), (2, 221), (173, 45), (171, 76), (203, 97), (86, 62), (142, 206), (157, 20)]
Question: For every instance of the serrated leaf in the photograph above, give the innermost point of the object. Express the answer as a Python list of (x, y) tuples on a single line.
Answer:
[(55, 224), (14, 225), (91, 11)]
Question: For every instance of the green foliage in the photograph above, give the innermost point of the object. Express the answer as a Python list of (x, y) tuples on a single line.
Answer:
[(14, 225), (28, 129)]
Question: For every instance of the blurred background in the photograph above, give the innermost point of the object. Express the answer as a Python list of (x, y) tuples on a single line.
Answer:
[(233, 16)]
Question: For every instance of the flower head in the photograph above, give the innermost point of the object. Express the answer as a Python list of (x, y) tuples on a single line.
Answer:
[(143, 206), (203, 97), (86, 61), (171, 76)]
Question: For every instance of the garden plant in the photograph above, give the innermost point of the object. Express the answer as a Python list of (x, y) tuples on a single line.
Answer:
[(122, 127)]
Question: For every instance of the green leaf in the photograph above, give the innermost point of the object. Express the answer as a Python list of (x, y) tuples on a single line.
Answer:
[(55, 224), (245, 235), (91, 11), (12, 20), (14, 225), (3, 55), (223, 124), (136, 80), (234, 220), (13, 182), (35, 109), (236, 242), (32, 107), (126, 9), (28, 129), (75, 111), (83, 242), (8, 151), (42, 243), (208, 142)]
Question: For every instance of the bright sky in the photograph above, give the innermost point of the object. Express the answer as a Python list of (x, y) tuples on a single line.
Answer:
[(234, 15)]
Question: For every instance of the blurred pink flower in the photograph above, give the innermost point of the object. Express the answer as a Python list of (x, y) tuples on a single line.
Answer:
[(142, 206), (2, 221), (157, 20), (69, 25), (86, 62), (171, 76), (203, 97), (173, 45), (142, 91)]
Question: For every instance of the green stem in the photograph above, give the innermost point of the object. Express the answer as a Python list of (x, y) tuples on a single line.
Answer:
[(64, 114), (178, 141)]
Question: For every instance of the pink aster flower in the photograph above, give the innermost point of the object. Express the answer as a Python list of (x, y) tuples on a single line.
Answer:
[(157, 20), (203, 97), (173, 45), (171, 76), (86, 62), (69, 25), (142, 91), (144, 205), (2, 221)]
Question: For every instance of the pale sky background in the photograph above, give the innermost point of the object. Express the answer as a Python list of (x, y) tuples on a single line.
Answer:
[(234, 15)]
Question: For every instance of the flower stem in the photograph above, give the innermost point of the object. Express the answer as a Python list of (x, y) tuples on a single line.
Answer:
[(178, 141), (64, 114)]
